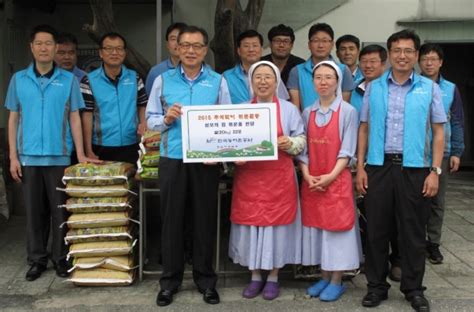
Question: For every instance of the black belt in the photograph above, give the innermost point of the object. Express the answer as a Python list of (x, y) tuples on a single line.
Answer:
[(394, 158)]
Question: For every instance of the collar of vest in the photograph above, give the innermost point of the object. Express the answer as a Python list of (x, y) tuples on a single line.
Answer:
[(416, 78), (123, 73), (203, 73), (31, 72)]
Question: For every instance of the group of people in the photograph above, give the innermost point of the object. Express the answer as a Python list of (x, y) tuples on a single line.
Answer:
[(400, 131)]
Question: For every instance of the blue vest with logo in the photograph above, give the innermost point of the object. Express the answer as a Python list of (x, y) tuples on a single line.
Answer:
[(43, 126), (176, 89), (308, 94), (417, 135), (115, 114), (447, 95), (238, 88)]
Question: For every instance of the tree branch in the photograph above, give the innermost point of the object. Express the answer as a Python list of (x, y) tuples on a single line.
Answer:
[(104, 22)]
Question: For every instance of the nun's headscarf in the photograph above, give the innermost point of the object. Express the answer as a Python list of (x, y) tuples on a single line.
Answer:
[(272, 66), (338, 73)]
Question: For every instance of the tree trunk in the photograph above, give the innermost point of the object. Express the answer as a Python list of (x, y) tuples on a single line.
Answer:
[(230, 20), (104, 22)]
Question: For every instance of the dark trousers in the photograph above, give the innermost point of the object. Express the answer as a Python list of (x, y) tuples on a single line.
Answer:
[(128, 153), (41, 204), (435, 221), (396, 192), (187, 189)]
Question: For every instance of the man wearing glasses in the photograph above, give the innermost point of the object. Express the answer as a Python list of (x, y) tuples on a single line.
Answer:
[(115, 99), (431, 61), (300, 82), (186, 188), (401, 132), (281, 39)]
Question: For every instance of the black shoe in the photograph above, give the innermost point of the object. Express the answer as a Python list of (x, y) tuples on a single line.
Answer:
[(433, 254), (419, 303), (165, 297), (35, 271), (395, 273), (62, 268), (210, 295), (372, 299)]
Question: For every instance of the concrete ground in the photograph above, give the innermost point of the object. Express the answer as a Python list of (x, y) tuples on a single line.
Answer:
[(450, 285)]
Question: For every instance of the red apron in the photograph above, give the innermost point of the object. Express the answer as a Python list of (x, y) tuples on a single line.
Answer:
[(264, 192), (332, 210)]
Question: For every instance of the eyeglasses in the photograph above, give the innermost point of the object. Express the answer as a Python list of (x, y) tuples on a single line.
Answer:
[(282, 41), (323, 41), (325, 78), (407, 52), (196, 46), (111, 50), (429, 59), (259, 77)]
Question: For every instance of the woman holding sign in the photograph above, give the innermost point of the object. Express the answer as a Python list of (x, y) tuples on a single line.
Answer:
[(330, 230), (266, 226)]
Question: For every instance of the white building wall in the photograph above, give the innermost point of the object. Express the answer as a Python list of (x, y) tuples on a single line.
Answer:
[(370, 20)]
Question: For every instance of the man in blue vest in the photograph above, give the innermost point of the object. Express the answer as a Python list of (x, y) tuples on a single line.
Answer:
[(66, 56), (372, 59), (171, 37), (44, 103), (186, 188), (300, 84), (347, 51), (115, 99), (431, 61), (249, 49), (401, 133)]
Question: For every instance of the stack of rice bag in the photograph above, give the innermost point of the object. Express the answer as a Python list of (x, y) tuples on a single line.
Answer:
[(149, 155), (100, 229)]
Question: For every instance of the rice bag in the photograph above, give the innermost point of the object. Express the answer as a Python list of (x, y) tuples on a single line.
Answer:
[(96, 204), (101, 249), (151, 140), (101, 277), (149, 159), (98, 234), (75, 190), (106, 173), (94, 220), (119, 263)]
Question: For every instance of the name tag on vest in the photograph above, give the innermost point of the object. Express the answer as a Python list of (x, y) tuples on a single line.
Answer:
[(205, 83), (57, 83), (419, 90)]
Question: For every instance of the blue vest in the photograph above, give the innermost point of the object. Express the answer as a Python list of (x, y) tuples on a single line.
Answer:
[(357, 97), (447, 95), (417, 127), (308, 94), (176, 89), (115, 114), (43, 126), (238, 88), (358, 77)]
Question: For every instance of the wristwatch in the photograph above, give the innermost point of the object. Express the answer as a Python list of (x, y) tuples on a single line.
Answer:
[(436, 170)]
